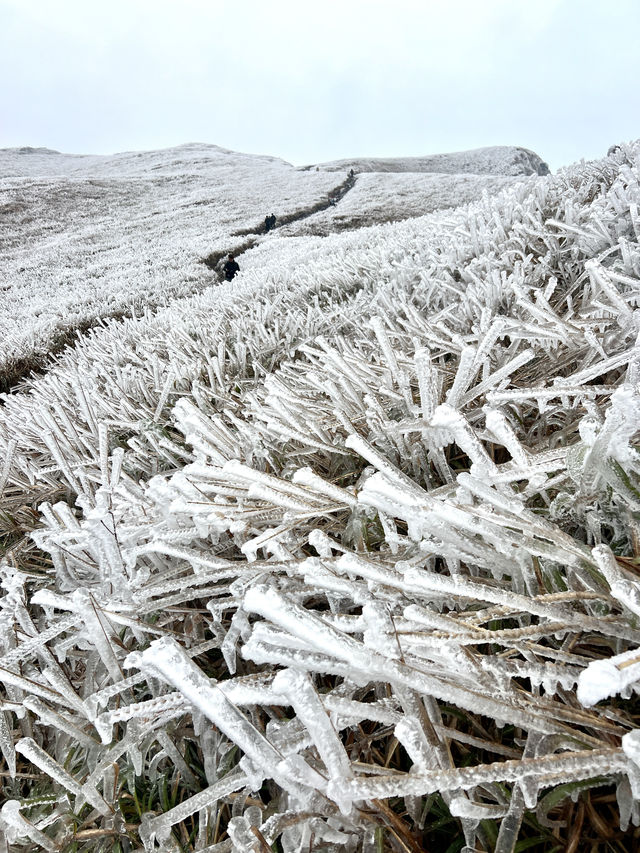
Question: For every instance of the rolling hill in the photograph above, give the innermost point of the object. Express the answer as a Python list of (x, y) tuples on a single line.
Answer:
[(92, 237), (340, 555)]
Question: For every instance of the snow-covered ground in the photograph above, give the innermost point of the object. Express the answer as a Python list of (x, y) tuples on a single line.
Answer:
[(494, 160), (88, 237), (91, 237), (357, 529), (379, 197)]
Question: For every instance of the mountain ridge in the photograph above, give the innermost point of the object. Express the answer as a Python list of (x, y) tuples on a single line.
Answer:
[(493, 160)]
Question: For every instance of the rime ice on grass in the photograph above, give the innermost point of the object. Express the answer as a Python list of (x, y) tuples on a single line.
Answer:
[(377, 514)]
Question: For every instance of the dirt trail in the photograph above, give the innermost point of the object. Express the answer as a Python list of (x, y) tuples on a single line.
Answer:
[(214, 260), (333, 197)]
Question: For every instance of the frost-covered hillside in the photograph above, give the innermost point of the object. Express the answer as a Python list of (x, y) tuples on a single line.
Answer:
[(91, 237), (379, 197), (343, 555), (86, 237), (495, 160)]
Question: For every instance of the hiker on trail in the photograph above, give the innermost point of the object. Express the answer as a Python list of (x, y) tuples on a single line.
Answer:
[(351, 174), (269, 222), (230, 268)]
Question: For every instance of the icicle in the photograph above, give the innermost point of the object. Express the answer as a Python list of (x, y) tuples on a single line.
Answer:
[(30, 749), (167, 660), (568, 766), (626, 591), (464, 375), (159, 827), (10, 816), (309, 709), (427, 382), (6, 466), (6, 742)]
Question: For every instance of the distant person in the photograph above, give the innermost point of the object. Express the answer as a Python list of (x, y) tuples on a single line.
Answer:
[(351, 174), (269, 222), (231, 268)]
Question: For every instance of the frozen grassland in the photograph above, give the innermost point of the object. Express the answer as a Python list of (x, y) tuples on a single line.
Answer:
[(379, 197), (89, 237), (495, 160), (344, 552)]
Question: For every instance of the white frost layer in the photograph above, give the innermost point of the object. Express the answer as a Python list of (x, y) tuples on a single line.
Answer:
[(609, 677)]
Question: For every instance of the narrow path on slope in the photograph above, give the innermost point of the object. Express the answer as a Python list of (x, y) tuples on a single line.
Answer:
[(39, 363), (214, 260), (333, 197)]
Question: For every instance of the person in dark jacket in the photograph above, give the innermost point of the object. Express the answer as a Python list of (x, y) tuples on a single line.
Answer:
[(269, 222), (230, 268)]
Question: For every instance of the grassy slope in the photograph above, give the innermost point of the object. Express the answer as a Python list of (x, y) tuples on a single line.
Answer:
[(86, 238), (93, 237), (497, 160), (473, 308), (380, 197)]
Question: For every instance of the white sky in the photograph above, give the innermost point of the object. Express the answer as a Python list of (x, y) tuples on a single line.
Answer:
[(319, 81)]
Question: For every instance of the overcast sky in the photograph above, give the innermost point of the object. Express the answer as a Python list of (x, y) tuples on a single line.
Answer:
[(311, 81)]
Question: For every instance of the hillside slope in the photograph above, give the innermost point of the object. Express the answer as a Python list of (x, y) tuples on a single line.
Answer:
[(496, 160), (91, 237), (379, 197), (344, 553)]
